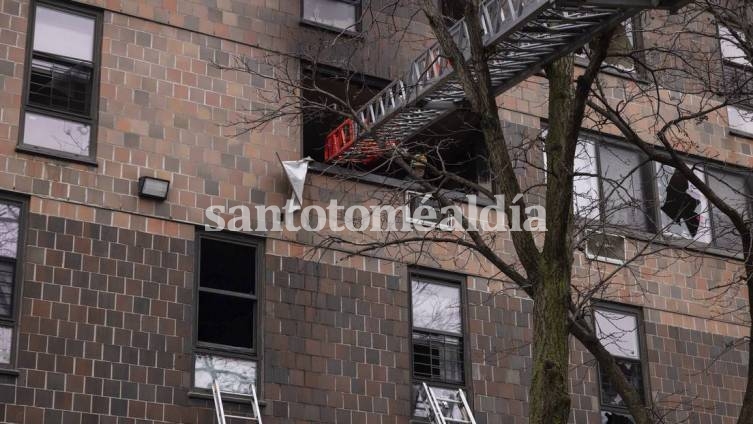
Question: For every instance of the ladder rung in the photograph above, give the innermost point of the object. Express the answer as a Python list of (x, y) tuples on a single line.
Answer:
[(241, 417), (449, 400), (455, 420)]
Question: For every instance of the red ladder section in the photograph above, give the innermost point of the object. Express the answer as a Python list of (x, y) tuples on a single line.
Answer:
[(341, 146)]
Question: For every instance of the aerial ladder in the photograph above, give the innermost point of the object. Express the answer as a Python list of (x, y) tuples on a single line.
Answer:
[(219, 407), (451, 409), (522, 37)]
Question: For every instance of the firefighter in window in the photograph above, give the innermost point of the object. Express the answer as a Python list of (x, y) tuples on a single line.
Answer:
[(679, 205)]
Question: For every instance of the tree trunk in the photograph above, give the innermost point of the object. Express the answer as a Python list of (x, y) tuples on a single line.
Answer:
[(550, 395)]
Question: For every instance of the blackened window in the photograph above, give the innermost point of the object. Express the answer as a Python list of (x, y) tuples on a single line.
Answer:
[(62, 81), (10, 230), (229, 275), (437, 333), (618, 330)]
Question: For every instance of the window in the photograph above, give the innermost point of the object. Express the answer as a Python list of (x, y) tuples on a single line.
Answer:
[(624, 42), (735, 190), (10, 234), (618, 330), (729, 41), (328, 95), (425, 210), (452, 10), (740, 120), (737, 74), (62, 83), (335, 14), (683, 210), (229, 280), (617, 196), (437, 333)]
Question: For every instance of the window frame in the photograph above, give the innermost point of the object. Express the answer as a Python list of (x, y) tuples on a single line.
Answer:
[(225, 351), (713, 210), (354, 31), (450, 280), (734, 66), (645, 176), (13, 321), (92, 120), (637, 312)]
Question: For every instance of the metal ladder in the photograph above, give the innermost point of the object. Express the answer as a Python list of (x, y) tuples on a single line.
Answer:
[(521, 37), (456, 409), (220, 409)]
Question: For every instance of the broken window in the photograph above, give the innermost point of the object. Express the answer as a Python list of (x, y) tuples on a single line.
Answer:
[(335, 14), (60, 105), (329, 97), (437, 333), (227, 312), (10, 216), (683, 209), (618, 330)]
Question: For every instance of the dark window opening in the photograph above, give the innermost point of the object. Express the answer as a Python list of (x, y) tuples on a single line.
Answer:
[(453, 10), (329, 97), (226, 320), (227, 266), (229, 278)]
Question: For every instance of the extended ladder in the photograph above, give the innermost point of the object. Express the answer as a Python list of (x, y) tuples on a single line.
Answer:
[(520, 36), (220, 409), (448, 410)]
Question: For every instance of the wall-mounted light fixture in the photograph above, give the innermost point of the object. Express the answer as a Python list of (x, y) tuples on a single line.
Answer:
[(153, 188)]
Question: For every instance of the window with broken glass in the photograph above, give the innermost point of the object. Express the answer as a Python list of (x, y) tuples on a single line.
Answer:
[(437, 333), (60, 108), (10, 234), (618, 329), (616, 186), (227, 340)]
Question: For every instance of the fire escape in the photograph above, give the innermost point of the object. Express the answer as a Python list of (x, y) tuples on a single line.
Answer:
[(522, 36)]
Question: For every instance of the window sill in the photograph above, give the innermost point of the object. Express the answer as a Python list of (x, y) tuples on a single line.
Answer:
[(740, 133), (237, 399), (383, 181), (673, 242), (53, 154), (9, 372), (331, 29)]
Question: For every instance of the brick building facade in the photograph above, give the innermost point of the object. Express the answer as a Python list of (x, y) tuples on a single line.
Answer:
[(101, 322)]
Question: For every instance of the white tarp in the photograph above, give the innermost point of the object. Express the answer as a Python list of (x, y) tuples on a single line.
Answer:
[(295, 171)]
